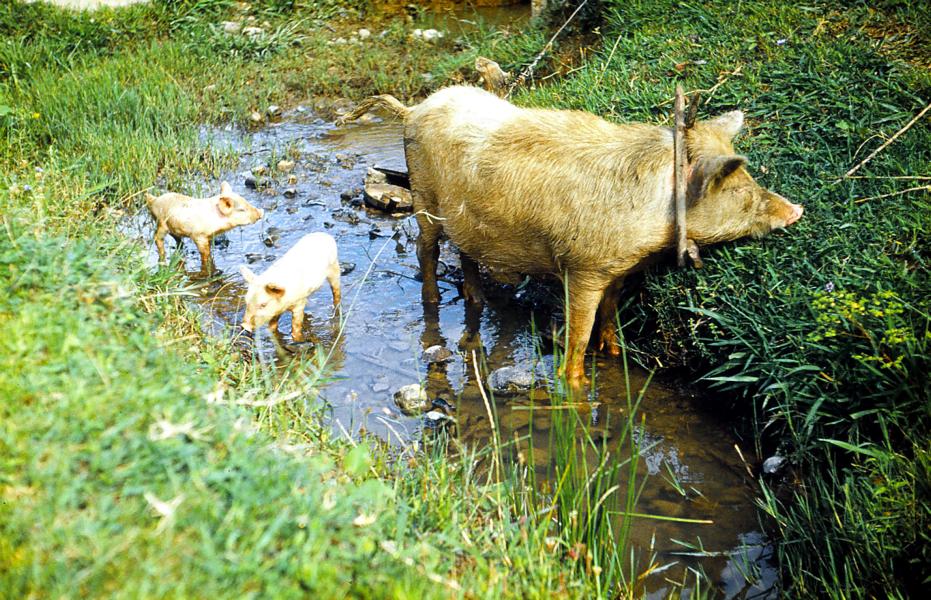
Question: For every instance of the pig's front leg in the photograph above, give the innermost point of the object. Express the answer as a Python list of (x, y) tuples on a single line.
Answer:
[(203, 246), (607, 311), (691, 248), (428, 253), (297, 321), (471, 279), (273, 324), (584, 296)]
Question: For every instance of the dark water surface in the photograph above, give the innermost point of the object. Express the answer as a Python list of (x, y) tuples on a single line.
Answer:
[(387, 328)]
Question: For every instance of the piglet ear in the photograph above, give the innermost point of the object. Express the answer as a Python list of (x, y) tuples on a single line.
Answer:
[(730, 122), (225, 188), (225, 206), (247, 274), (274, 290)]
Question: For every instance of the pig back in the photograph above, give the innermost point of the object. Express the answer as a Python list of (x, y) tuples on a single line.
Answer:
[(542, 191)]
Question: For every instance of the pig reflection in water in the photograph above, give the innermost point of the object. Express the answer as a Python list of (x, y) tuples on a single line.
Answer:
[(289, 281), (199, 219)]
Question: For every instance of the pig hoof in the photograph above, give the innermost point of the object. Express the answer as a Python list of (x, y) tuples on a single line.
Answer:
[(473, 296)]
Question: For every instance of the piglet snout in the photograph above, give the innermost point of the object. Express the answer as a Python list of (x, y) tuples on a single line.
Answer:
[(797, 210)]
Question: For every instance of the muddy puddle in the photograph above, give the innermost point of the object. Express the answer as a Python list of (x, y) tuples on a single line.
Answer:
[(691, 468)]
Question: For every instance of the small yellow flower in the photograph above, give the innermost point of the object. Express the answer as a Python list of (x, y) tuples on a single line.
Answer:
[(36, 115)]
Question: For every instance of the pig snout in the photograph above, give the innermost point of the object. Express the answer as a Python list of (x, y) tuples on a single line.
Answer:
[(783, 213)]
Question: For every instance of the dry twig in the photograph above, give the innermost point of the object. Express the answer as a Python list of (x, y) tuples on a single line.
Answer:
[(886, 143)]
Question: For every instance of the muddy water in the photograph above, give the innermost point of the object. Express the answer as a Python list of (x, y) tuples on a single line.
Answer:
[(387, 328), (463, 15)]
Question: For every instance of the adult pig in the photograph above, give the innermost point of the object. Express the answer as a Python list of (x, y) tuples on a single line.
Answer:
[(289, 281), (199, 219), (569, 194)]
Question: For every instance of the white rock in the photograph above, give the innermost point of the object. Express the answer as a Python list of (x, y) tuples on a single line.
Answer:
[(431, 35), (252, 31), (363, 33), (232, 27), (773, 464)]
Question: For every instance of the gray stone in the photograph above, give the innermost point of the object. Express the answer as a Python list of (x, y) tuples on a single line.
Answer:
[(412, 399), (290, 192), (510, 380), (273, 110), (271, 237), (345, 268), (437, 354), (231, 27), (773, 464)]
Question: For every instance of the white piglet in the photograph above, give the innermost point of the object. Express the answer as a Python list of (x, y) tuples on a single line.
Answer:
[(289, 281)]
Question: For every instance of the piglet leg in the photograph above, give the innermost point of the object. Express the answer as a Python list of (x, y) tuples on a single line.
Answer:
[(297, 321), (333, 279), (160, 232), (206, 263)]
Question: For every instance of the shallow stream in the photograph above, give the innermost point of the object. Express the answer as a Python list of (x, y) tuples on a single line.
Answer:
[(387, 329)]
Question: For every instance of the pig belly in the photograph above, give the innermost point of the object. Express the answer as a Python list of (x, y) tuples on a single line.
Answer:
[(498, 245)]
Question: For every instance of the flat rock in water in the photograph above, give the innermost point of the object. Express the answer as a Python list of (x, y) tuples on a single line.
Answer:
[(412, 399), (510, 380), (387, 197), (345, 268)]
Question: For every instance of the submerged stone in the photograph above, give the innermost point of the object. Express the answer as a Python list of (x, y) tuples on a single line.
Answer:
[(412, 399)]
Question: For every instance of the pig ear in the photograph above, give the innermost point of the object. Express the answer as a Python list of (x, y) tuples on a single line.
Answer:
[(247, 274), (225, 188), (707, 171), (274, 290), (730, 122), (225, 206)]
